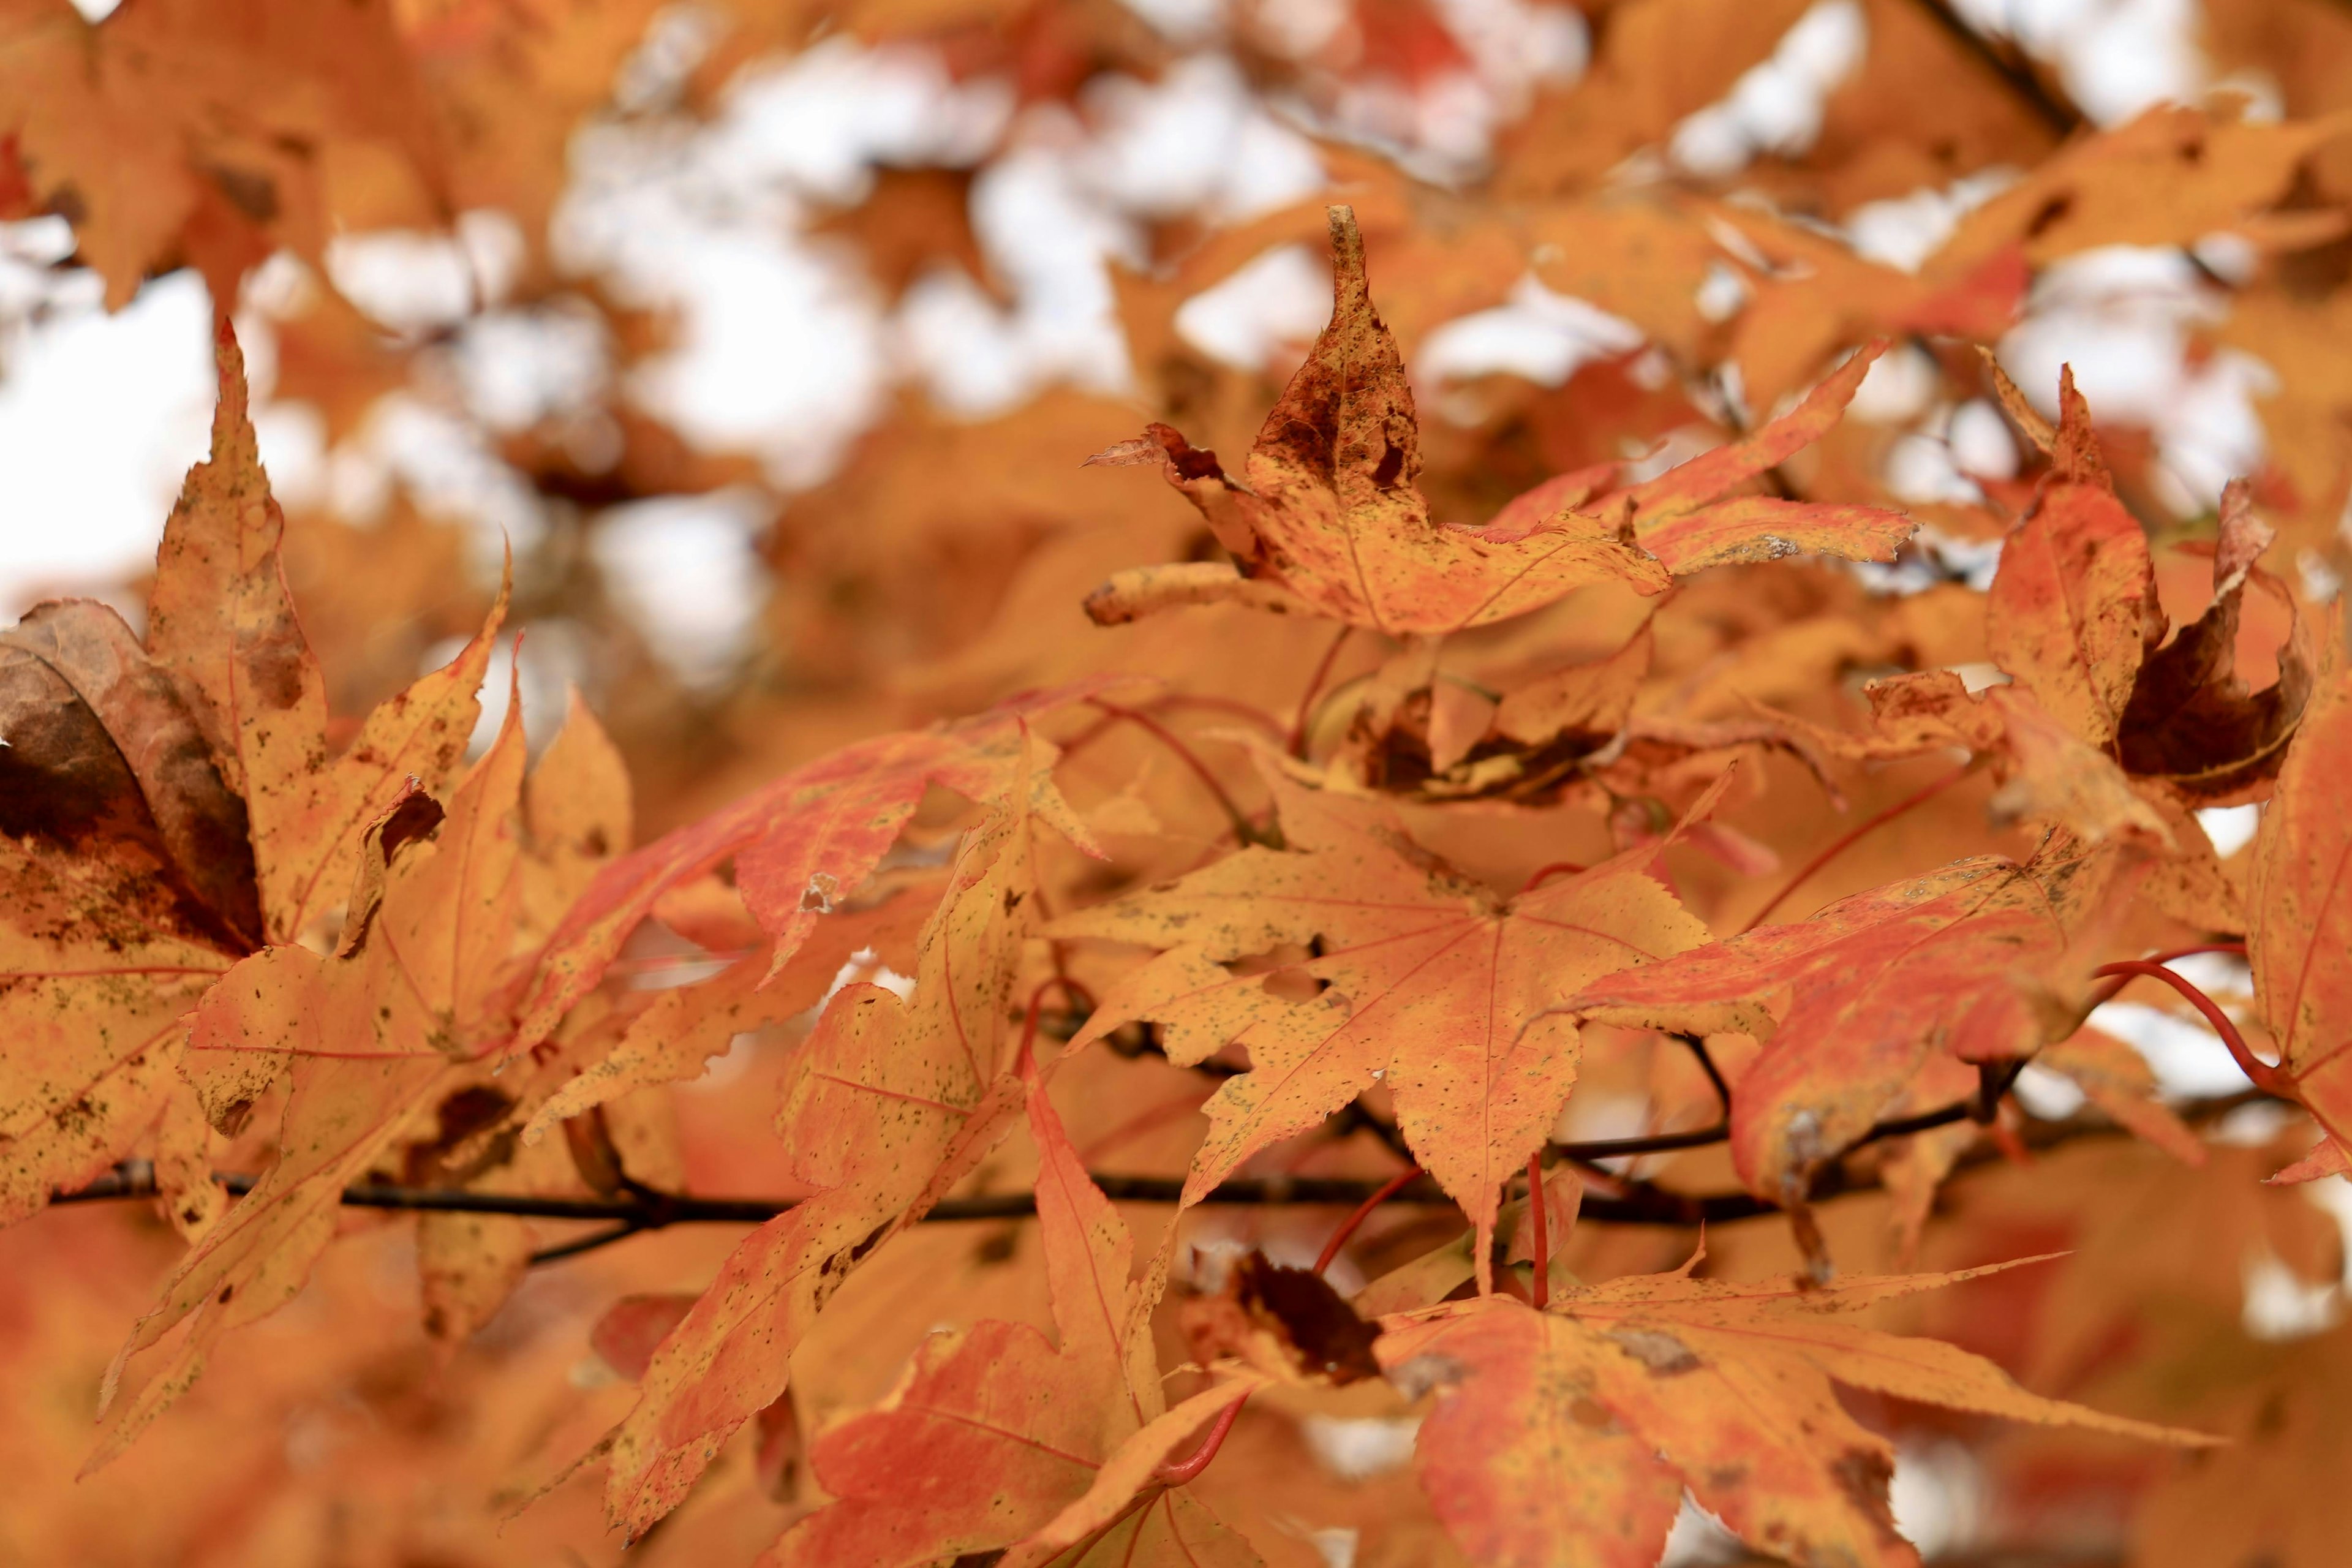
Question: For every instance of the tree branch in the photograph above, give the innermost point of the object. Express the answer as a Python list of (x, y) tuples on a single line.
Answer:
[(1639, 1202)]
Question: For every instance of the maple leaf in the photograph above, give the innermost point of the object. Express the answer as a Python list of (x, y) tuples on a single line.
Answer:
[(1567, 1436), (367, 1037), (889, 1104), (1852, 1001), (1429, 980), (1333, 519), (222, 622), (2072, 611), (1002, 1430), (128, 890), (805, 841), (675, 1037), (178, 130), (2302, 916)]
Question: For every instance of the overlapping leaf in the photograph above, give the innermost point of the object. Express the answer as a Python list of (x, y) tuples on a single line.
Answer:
[(995, 1432), (1564, 1439), (1331, 516), (803, 842), (1856, 998), (367, 1036), (2300, 895), (889, 1103), (1428, 980)]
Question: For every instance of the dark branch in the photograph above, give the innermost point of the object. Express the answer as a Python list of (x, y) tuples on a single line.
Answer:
[(1635, 1202), (2010, 63)]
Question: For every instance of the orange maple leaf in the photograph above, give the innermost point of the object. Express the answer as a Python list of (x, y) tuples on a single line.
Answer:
[(1567, 1436), (1852, 1001), (1429, 980), (1332, 521)]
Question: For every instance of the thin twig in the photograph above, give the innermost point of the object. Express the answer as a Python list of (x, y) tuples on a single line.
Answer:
[(1714, 1074), (2011, 65), (1296, 743), (1243, 829)]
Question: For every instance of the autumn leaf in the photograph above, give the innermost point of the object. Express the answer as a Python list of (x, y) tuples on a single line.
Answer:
[(889, 1103), (176, 131), (1857, 998), (1009, 1430), (1333, 515), (367, 1036), (803, 842), (2301, 921), (221, 622), (2072, 613), (1567, 1436), (113, 826), (1425, 979), (2190, 720)]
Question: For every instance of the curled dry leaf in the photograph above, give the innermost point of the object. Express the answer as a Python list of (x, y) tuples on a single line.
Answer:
[(1331, 513)]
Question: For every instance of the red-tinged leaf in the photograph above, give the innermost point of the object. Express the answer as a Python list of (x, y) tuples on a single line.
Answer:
[(887, 1103), (1524, 1467), (1331, 515), (2073, 612), (1682, 518), (625, 1338), (2328, 1157), (675, 1038), (804, 842), (991, 1432), (1431, 980), (1004, 1429), (221, 622), (1116, 1513), (2300, 899), (1627, 1392), (1854, 1000)]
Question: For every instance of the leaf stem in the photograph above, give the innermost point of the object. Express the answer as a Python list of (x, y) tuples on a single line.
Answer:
[(1539, 1227), (1541, 873), (1350, 1225), (1846, 840), (1296, 745), (1243, 829), (2270, 1080), (1180, 1472)]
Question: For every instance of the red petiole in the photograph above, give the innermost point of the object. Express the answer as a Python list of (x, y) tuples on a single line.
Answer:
[(1179, 1472), (1350, 1225), (2268, 1078)]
